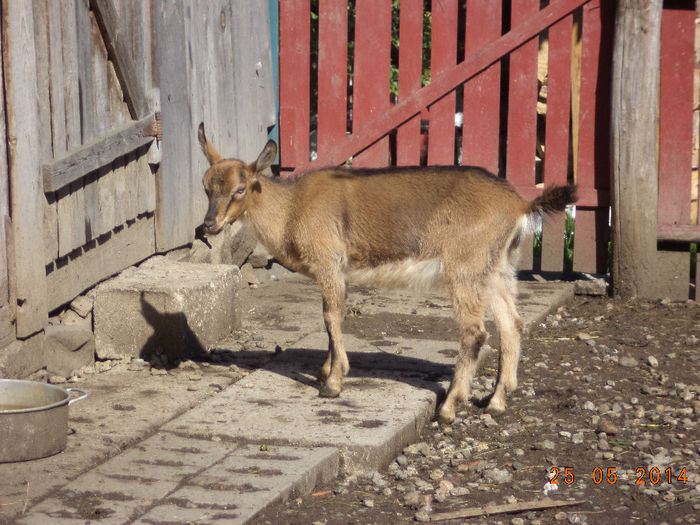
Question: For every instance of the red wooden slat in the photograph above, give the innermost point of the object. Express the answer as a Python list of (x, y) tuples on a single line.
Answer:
[(332, 71), (590, 243), (522, 102), (556, 152), (385, 121), (295, 35), (522, 112), (482, 94), (371, 81), (441, 136), (676, 115), (408, 139)]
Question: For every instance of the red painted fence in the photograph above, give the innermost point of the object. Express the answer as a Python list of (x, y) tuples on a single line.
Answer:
[(484, 65)]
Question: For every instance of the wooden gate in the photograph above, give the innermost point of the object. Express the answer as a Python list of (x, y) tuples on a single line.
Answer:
[(529, 87), (102, 102), (84, 122)]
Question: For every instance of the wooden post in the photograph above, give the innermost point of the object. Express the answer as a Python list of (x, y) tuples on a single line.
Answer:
[(174, 214), (635, 99), (19, 61)]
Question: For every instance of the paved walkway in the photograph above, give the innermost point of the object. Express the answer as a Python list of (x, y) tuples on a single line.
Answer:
[(211, 443)]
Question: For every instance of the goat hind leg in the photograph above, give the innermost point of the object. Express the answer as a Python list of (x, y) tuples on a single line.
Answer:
[(473, 336), (509, 326)]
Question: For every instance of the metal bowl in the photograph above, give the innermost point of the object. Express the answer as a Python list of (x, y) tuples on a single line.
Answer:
[(33, 419)]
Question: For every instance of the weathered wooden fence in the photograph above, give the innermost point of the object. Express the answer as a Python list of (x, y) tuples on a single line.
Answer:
[(531, 85), (102, 99)]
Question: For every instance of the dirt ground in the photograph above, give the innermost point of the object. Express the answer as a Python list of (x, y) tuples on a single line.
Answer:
[(606, 414)]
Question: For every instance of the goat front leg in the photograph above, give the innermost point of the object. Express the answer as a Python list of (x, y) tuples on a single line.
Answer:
[(336, 364)]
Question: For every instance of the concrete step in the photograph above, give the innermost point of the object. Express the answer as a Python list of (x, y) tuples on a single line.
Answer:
[(165, 307)]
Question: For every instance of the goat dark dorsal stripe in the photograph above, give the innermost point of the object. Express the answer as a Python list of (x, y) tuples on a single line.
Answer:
[(460, 226)]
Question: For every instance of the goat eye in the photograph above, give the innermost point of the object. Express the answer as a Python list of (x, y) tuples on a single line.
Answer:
[(240, 191)]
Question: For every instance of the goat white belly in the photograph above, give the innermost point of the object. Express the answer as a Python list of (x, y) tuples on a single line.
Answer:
[(408, 273)]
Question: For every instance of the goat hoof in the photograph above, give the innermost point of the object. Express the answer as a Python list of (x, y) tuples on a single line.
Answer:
[(446, 417), (327, 391), (495, 409)]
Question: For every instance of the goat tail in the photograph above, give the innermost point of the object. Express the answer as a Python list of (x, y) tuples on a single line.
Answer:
[(553, 199)]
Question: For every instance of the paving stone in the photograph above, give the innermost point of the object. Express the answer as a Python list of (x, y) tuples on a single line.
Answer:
[(378, 413)]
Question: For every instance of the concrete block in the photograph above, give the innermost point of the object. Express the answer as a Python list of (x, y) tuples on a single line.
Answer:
[(68, 348), (166, 308), (232, 245), (20, 359)]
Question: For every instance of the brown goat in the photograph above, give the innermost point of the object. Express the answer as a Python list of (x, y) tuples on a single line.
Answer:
[(392, 226)]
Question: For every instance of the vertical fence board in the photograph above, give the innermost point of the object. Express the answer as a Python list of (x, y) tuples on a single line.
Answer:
[(294, 96), (71, 74), (441, 136), (482, 94), (7, 331), (371, 81), (590, 246), (556, 159), (675, 142), (408, 135), (77, 81), (23, 123), (173, 214), (253, 104), (44, 49), (522, 113), (676, 115), (332, 72)]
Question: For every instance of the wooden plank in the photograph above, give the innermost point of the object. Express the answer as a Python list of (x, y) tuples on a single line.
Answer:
[(408, 135), (22, 114), (482, 94), (253, 105), (522, 113), (634, 165), (175, 189), (522, 103), (142, 21), (682, 233), (332, 72), (676, 115), (71, 73), (675, 144), (123, 248), (97, 153), (384, 122), (443, 55), (7, 302), (71, 198), (556, 159), (590, 254), (44, 60), (294, 83), (118, 43), (371, 75)]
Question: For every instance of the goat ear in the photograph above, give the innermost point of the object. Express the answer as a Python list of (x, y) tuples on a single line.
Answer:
[(267, 157), (209, 152)]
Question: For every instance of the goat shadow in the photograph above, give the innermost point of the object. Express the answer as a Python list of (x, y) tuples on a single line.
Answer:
[(173, 340)]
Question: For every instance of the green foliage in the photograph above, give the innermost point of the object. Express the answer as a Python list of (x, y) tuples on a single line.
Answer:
[(569, 225)]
